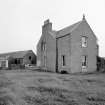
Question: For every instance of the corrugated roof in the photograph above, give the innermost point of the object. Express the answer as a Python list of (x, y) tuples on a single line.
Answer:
[(68, 29), (17, 54)]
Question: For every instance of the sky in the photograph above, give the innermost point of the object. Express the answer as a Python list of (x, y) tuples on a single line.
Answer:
[(21, 20)]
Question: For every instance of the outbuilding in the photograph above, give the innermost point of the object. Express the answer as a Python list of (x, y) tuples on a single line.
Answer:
[(17, 59)]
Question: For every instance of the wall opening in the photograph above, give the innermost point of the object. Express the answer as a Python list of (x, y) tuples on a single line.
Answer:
[(84, 41), (63, 59), (84, 63)]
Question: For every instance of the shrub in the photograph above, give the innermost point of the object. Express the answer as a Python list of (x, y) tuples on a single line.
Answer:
[(64, 72)]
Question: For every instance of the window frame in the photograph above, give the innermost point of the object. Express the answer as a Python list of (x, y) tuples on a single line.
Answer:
[(63, 60), (84, 60), (30, 57), (43, 46), (84, 41)]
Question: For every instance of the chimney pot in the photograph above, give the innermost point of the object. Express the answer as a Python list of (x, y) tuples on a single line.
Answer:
[(46, 21), (47, 26)]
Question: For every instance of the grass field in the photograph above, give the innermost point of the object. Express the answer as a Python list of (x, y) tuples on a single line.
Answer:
[(40, 88)]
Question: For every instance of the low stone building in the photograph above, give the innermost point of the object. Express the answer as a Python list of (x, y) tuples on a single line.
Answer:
[(17, 59)]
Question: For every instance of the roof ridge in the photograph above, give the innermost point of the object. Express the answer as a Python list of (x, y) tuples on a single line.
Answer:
[(15, 52)]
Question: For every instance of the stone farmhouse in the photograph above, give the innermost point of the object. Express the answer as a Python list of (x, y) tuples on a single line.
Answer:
[(71, 49), (17, 59)]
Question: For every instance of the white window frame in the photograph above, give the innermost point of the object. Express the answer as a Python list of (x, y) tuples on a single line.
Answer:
[(84, 62), (84, 41)]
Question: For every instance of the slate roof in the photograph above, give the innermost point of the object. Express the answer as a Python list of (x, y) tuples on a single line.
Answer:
[(17, 54), (68, 29), (53, 33)]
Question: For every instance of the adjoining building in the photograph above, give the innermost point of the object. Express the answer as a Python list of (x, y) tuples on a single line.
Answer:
[(17, 59), (100, 64), (72, 49)]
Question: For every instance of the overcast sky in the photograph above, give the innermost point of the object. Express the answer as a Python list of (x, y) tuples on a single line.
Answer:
[(21, 20)]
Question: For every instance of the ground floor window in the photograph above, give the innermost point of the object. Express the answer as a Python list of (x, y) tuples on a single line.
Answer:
[(3, 64), (84, 60), (44, 61), (18, 61), (84, 63), (63, 59)]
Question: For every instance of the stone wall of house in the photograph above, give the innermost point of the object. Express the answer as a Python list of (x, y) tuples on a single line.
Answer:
[(64, 49), (91, 51), (46, 57), (69, 50)]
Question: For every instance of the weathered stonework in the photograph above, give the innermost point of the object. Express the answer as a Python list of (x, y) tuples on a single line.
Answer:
[(63, 48)]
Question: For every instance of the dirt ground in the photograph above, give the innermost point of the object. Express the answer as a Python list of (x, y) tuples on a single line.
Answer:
[(42, 88)]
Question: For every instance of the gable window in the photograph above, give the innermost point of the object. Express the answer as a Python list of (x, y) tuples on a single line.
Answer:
[(63, 60), (29, 57), (84, 41)]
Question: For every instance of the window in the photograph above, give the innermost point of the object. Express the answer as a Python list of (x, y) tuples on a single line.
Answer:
[(3, 64), (43, 46), (63, 60), (29, 57), (44, 61), (84, 41), (84, 61), (15, 61)]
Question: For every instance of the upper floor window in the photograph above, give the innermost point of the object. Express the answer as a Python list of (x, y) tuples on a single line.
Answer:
[(43, 46), (84, 41)]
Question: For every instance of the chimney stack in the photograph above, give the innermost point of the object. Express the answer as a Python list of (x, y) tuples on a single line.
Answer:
[(47, 26)]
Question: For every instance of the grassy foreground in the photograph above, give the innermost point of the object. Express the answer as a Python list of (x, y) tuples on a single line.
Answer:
[(38, 88)]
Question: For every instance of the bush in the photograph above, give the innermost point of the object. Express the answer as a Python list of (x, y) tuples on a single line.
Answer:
[(64, 72)]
